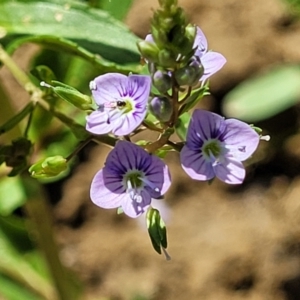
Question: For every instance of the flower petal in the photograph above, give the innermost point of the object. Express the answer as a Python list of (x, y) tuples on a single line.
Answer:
[(195, 165), (106, 192), (96, 123), (132, 208), (109, 87), (230, 171), (212, 62), (200, 42), (240, 139), (204, 125)]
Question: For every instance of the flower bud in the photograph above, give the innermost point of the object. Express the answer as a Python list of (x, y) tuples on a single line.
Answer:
[(166, 58), (157, 231), (189, 75), (162, 81), (148, 50), (70, 94), (161, 108), (49, 167)]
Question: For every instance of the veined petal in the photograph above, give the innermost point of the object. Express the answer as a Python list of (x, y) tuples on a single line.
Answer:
[(212, 62), (204, 125), (240, 139), (96, 123), (195, 165), (159, 176), (200, 42), (109, 87), (128, 122), (230, 171), (133, 208), (106, 194)]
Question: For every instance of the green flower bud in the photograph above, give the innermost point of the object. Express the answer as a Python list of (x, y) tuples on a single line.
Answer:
[(70, 94), (49, 167), (162, 81), (166, 59), (189, 75), (148, 51), (161, 108), (157, 230)]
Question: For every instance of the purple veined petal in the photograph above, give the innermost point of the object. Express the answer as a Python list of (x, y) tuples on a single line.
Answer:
[(200, 42), (204, 125), (195, 165), (240, 139), (230, 171), (212, 62), (159, 175), (128, 123), (106, 192), (139, 87), (96, 123), (129, 156), (134, 209), (109, 87)]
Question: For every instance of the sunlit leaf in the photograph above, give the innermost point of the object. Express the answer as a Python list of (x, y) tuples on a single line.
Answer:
[(92, 29), (264, 96)]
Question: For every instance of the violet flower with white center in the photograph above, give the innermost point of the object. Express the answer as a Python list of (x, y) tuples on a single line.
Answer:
[(122, 103), (130, 178), (216, 147), (210, 60)]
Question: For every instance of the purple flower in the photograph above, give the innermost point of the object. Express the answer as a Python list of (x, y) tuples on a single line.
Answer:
[(211, 61), (216, 147), (122, 103), (130, 178)]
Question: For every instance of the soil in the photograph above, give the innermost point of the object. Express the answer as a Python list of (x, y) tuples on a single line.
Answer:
[(240, 242)]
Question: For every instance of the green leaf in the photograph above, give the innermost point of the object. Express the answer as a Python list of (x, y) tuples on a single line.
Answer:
[(12, 290), (92, 29), (264, 96), (63, 44), (11, 195), (182, 124), (118, 9), (14, 264), (195, 97)]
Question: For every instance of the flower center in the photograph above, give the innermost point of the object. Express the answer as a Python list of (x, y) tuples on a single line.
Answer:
[(212, 148), (133, 181)]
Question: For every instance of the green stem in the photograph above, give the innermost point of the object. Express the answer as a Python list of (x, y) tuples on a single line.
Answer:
[(42, 225), (80, 146)]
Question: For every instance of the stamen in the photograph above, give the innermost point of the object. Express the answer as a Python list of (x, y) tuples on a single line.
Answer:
[(149, 183)]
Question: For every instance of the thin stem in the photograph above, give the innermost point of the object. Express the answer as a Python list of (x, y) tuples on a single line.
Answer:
[(80, 147), (28, 124), (163, 139), (175, 146), (152, 126)]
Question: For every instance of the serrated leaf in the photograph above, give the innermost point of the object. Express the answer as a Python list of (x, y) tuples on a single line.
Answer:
[(92, 29), (264, 96)]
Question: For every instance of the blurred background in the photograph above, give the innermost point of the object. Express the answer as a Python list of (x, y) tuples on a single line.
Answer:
[(226, 242)]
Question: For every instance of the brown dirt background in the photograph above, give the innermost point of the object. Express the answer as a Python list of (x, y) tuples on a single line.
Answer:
[(226, 243)]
